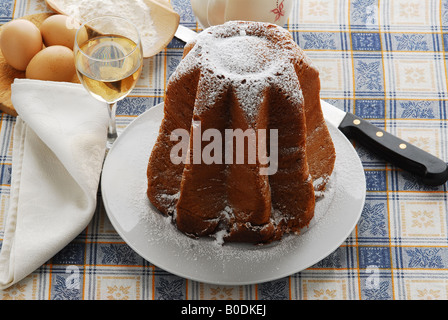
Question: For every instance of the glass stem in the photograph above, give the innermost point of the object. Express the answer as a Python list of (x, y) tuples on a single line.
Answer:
[(112, 129)]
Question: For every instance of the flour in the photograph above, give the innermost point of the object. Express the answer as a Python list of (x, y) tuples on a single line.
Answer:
[(135, 11)]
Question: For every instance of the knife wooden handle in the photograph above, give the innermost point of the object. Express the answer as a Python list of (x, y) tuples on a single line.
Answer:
[(430, 169)]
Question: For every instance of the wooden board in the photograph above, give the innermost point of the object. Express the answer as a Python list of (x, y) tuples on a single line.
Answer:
[(8, 73)]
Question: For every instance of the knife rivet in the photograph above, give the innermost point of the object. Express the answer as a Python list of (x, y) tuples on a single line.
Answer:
[(403, 146), (356, 121), (379, 134)]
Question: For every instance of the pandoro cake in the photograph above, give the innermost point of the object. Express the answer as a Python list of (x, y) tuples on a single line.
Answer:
[(252, 77)]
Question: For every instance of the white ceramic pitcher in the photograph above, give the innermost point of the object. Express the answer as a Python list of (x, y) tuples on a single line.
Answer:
[(213, 12)]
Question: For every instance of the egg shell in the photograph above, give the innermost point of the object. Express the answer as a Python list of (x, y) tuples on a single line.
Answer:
[(20, 41), (59, 30), (55, 63)]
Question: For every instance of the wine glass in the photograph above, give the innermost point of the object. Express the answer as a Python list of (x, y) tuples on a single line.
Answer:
[(108, 59)]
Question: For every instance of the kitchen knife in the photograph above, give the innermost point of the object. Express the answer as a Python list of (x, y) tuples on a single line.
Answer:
[(430, 169)]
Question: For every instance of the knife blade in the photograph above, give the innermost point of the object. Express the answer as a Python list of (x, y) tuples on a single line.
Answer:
[(425, 166), (185, 34), (428, 168)]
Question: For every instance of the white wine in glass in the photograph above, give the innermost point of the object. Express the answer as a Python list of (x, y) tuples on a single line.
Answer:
[(108, 60)]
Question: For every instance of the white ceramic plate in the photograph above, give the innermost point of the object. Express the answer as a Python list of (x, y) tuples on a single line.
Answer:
[(155, 238)]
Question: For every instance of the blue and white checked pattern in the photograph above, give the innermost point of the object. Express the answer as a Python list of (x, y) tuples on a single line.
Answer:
[(385, 61)]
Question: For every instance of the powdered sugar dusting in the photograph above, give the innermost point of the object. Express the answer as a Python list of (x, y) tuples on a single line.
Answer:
[(247, 58)]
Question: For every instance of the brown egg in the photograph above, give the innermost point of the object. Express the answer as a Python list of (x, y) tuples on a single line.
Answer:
[(55, 63), (19, 42), (59, 30)]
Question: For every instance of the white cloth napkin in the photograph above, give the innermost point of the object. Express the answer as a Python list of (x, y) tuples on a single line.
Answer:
[(58, 151)]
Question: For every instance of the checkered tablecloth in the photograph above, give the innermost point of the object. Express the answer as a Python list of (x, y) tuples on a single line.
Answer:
[(385, 61)]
